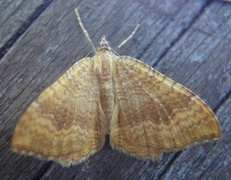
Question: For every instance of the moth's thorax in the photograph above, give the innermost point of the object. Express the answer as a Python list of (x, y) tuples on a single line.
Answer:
[(104, 61), (103, 58)]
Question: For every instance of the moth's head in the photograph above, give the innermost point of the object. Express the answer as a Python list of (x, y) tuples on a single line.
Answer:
[(104, 45)]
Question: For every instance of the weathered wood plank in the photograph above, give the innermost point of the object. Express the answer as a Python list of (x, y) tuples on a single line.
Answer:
[(186, 40), (16, 17)]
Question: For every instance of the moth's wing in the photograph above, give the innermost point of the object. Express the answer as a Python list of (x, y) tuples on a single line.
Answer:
[(66, 122), (153, 114)]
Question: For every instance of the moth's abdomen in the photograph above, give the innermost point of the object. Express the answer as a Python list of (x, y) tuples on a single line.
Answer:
[(107, 98)]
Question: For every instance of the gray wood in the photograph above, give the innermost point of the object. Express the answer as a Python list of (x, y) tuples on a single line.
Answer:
[(16, 17), (189, 41)]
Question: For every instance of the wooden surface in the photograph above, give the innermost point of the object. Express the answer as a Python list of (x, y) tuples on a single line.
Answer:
[(187, 40)]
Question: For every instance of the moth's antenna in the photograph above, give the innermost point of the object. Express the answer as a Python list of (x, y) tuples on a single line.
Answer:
[(83, 28), (129, 37)]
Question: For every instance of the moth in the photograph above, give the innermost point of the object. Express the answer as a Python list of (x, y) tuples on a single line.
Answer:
[(144, 112)]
